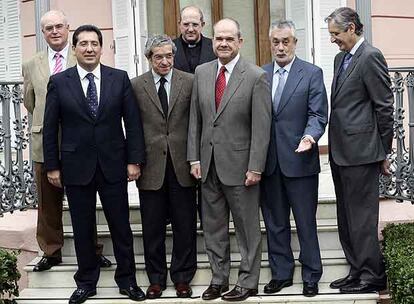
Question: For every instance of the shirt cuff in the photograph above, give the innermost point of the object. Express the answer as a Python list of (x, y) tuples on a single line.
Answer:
[(196, 162)]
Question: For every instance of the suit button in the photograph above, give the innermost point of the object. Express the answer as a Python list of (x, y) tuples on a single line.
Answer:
[(164, 152), (215, 125), (211, 144), (168, 133)]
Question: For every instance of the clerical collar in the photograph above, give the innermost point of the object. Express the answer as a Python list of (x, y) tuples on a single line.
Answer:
[(189, 45)]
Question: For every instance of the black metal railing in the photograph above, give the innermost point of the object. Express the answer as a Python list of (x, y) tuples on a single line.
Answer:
[(17, 187), (400, 185)]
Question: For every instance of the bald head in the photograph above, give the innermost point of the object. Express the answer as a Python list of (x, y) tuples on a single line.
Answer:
[(227, 39), (55, 29), (191, 24)]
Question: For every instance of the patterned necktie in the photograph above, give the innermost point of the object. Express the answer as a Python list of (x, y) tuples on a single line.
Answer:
[(92, 95), (58, 63), (344, 66), (220, 85), (279, 89), (162, 94)]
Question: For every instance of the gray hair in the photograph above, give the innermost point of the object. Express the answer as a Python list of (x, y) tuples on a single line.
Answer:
[(192, 7), (158, 41), (343, 17), (53, 12), (280, 24), (236, 23)]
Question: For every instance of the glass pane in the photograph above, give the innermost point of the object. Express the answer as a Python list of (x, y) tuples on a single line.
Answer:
[(155, 17), (277, 10), (205, 6), (244, 14)]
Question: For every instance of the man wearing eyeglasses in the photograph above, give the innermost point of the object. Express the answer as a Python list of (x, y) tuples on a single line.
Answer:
[(193, 48), (36, 72), (166, 188)]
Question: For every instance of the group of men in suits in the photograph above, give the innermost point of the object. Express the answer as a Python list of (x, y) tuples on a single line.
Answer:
[(249, 134)]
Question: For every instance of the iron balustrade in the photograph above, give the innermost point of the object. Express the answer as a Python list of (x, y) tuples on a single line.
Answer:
[(400, 185), (17, 187)]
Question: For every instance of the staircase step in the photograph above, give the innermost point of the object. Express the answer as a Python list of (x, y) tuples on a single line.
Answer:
[(326, 210), (334, 266), (111, 296), (327, 233)]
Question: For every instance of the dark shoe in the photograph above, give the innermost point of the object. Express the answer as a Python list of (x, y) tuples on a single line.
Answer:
[(80, 295), (276, 285), (214, 291), (183, 290), (239, 293), (46, 263), (348, 280), (133, 292), (310, 289), (104, 262), (362, 287), (154, 291)]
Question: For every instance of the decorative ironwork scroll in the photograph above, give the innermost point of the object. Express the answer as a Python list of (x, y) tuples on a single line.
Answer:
[(17, 187), (400, 185)]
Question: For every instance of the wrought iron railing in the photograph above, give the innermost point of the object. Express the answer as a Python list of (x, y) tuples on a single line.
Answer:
[(17, 187), (400, 185)]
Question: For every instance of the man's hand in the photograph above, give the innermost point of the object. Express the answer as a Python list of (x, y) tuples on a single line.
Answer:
[(252, 178), (134, 172), (54, 178), (196, 171), (385, 167), (305, 144)]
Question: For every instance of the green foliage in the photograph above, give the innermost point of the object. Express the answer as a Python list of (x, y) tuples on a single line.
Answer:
[(399, 259), (9, 275)]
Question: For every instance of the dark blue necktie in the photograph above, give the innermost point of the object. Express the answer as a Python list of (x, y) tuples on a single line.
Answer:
[(92, 95), (344, 66)]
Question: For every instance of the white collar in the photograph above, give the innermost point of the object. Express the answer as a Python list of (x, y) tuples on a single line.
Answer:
[(157, 77), (82, 72), (64, 52), (357, 45), (287, 67), (230, 65)]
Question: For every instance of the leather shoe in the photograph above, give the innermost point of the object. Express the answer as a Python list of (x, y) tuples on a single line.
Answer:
[(80, 295), (46, 263), (362, 287), (276, 285), (214, 291), (239, 293), (183, 290), (348, 280), (133, 292), (154, 291), (104, 262), (310, 289)]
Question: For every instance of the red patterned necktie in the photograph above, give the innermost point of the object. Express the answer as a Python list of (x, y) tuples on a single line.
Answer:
[(58, 63), (220, 86)]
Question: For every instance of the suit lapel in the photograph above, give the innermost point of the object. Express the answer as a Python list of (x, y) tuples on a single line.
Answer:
[(175, 88), (43, 65), (106, 85), (294, 78), (77, 91), (150, 88), (350, 68)]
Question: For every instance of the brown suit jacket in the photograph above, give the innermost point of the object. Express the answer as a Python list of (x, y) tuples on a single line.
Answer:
[(36, 73), (163, 134)]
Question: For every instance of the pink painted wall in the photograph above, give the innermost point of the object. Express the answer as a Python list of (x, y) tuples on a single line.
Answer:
[(392, 24), (97, 12)]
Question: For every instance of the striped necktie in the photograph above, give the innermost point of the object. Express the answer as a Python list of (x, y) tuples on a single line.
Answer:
[(58, 63)]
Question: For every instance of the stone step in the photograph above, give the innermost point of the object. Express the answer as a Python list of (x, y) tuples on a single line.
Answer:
[(326, 210), (111, 296), (327, 233), (334, 266)]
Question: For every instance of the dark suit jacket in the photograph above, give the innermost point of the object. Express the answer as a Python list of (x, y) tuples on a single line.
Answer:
[(87, 141), (163, 134), (237, 134), (206, 55), (303, 110), (361, 121)]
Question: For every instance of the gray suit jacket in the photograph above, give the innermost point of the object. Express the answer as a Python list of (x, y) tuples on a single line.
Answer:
[(361, 121), (36, 73), (161, 133), (238, 132)]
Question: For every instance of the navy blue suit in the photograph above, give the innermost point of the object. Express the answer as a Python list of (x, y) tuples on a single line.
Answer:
[(291, 179), (93, 155)]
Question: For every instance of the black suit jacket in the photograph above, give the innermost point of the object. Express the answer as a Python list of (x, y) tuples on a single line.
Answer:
[(206, 55), (87, 141), (361, 121)]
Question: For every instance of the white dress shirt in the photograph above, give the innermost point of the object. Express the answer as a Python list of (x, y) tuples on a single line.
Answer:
[(167, 84), (275, 82), (229, 67), (52, 60), (85, 81)]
